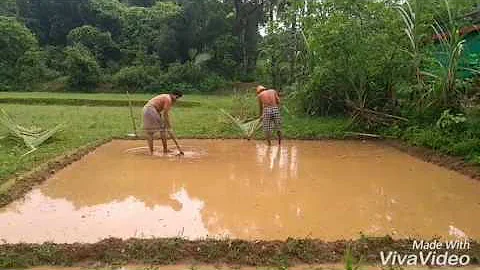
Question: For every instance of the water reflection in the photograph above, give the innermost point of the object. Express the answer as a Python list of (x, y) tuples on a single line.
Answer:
[(41, 218)]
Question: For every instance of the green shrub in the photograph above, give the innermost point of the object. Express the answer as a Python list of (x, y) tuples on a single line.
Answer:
[(466, 147), (449, 122), (136, 78), (15, 41), (191, 77), (99, 43), (32, 70), (212, 82), (82, 68)]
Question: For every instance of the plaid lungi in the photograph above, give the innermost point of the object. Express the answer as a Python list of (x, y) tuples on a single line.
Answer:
[(272, 121), (152, 120)]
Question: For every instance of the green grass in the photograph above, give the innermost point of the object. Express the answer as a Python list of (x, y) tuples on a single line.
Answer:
[(103, 99), (89, 124), (207, 99)]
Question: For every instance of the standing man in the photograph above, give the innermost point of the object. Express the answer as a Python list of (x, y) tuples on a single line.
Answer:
[(156, 118), (269, 103)]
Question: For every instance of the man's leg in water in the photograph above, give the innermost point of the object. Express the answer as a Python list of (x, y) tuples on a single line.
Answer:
[(268, 136), (279, 133), (163, 134), (150, 142)]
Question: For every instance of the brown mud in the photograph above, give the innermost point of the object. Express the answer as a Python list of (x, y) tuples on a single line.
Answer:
[(245, 190)]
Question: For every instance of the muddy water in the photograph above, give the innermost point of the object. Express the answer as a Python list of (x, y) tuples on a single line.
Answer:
[(240, 189)]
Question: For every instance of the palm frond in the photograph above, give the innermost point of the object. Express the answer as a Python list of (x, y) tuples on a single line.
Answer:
[(31, 137), (201, 58), (247, 128)]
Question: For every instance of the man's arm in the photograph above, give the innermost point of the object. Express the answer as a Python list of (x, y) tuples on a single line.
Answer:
[(166, 117), (277, 97)]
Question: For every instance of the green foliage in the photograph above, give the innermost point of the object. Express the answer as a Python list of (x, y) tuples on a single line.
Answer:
[(443, 91), (191, 77), (146, 33), (451, 122), (32, 70), (8, 8), (349, 260), (353, 59), (52, 20), (136, 78), (15, 40), (100, 43), (81, 67)]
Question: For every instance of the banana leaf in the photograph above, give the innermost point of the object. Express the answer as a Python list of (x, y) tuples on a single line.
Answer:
[(31, 137)]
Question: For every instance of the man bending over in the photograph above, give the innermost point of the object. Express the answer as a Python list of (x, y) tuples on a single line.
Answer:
[(156, 118), (269, 103)]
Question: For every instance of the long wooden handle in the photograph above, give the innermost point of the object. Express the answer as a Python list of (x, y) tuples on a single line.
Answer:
[(175, 141)]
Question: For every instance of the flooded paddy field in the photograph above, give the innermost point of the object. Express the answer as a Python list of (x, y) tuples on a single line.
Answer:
[(326, 190)]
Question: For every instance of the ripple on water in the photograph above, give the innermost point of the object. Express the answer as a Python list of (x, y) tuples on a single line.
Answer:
[(189, 152)]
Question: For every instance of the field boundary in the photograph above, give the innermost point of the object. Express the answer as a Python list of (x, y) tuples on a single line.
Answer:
[(453, 163), (85, 102), (168, 251)]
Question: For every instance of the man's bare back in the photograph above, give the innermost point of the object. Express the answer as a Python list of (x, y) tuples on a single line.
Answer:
[(269, 98), (162, 103), (269, 103)]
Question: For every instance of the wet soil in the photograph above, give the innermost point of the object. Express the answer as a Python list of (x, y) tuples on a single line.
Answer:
[(326, 190)]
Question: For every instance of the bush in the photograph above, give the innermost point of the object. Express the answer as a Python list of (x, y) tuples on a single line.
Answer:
[(82, 68), (32, 70), (191, 77), (15, 41), (136, 78), (449, 122), (99, 43)]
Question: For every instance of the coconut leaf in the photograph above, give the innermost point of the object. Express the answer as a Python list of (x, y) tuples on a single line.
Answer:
[(247, 128), (201, 58), (31, 137)]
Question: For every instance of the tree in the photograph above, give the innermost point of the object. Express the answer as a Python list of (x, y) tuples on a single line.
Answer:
[(249, 15), (99, 43), (8, 8), (52, 20), (15, 41), (81, 67)]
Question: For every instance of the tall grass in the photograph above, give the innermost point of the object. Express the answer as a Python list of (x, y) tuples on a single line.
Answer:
[(351, 263), (440, 88)]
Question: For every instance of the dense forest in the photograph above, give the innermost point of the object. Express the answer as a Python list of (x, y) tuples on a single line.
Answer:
[(331, 56)]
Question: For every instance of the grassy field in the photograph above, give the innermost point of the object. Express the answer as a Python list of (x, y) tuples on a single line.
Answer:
[(87, 124), (104, 99)]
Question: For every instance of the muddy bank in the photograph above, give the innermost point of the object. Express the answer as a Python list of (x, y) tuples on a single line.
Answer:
[(231, 252), (428, 155)]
